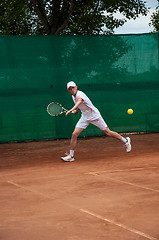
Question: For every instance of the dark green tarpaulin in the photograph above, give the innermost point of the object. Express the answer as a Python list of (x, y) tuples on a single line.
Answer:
[(117, 72)]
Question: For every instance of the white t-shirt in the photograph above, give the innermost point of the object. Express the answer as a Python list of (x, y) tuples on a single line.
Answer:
[(89, 111)]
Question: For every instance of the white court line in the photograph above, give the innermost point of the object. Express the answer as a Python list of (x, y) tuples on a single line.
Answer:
[(86, 211), (18, 173), (29, 190), (32, 171), (120, 181), (92, 173), (119, 224), (134, 185), (121, 170)]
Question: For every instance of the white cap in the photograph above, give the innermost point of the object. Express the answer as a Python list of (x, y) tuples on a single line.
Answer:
[(71, 84)]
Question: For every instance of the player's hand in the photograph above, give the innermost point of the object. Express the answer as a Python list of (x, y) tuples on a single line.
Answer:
[(68, 112), (72, 111), (75, 111)]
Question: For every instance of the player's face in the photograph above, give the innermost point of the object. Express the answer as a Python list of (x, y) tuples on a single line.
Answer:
[(73, 90)]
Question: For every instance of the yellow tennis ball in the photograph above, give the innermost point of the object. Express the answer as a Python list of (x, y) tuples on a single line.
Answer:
[(130, 111)]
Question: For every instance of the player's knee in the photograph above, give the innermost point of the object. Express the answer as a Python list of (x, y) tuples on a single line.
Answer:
[(107, 132), (74, 134)]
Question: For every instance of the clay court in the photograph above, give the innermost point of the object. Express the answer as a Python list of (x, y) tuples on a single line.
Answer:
[(106, 194)]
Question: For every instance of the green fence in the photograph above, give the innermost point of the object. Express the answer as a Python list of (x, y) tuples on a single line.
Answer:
[(117, 72)]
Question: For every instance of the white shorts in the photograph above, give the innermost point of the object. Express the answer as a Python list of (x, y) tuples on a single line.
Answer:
[(100, 123)]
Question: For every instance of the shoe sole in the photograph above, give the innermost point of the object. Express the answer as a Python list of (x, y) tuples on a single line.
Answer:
[(72, 160)]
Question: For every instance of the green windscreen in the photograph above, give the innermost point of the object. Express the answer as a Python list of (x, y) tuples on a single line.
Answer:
[(116, 72)]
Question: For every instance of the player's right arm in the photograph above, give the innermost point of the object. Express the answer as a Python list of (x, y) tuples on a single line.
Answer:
[(76, 111), (75, 106)]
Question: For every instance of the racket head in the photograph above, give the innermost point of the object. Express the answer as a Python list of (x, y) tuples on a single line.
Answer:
[(55, 109)]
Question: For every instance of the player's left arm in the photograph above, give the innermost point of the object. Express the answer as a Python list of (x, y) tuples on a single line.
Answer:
[(75, 107)]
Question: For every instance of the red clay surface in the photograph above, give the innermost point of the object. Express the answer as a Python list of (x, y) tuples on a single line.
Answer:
[(106, 194)]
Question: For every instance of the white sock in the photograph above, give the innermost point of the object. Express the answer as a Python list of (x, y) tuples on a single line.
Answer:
[(124, 140), (72, 153)]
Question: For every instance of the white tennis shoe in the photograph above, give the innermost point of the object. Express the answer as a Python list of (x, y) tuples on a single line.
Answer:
[(68, 158), (128, 144)]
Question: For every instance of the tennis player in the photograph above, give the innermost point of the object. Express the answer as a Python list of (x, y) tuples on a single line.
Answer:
[(90, 114)]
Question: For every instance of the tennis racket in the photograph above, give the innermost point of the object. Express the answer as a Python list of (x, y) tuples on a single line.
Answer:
[(56, 109)]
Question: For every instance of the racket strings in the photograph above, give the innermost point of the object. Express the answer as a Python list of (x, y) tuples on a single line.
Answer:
[(54, 109)]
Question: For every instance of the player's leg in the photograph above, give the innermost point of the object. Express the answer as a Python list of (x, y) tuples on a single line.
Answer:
[(113, 134), (103, 126), (116, 135), (75, 134), (80, 126)]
